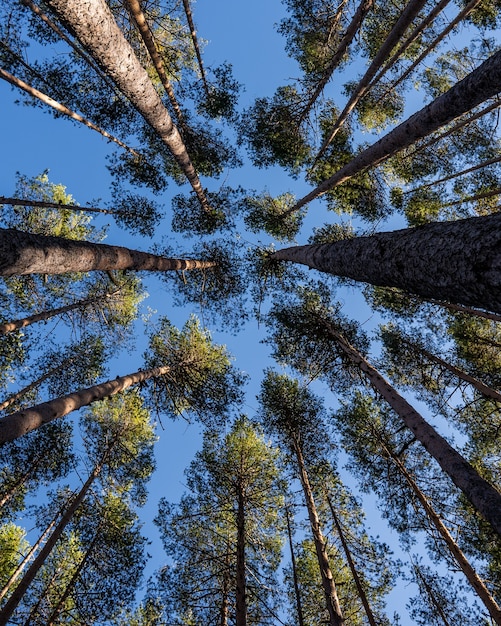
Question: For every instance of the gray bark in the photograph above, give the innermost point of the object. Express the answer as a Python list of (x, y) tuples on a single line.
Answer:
[(95, 27), (480, 85), (25, 253), (457, 261)]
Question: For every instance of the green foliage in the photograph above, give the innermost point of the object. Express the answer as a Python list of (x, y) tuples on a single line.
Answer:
[(270, 214), (223, 94), (13, 545)]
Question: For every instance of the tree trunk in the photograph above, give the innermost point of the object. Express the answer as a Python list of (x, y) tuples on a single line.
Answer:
[(12, 603), (328, 584), (142, 25), (25, 253), (241, 601), (95, 27), (458, 261), (358, 583), (482, 495), (17, 424), (480, 85), (8, 327), (24, 562), (352, 29), (404, 21), (11, 399), (297, 593), (463, 563), (431, 595), (35, 93), (57, 205), (193, 33)]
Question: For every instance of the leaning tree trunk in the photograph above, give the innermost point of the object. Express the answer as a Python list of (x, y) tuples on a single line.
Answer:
[(196, 47), (17, 424), (328, 584), (463, 563), (482, 495), (95, 27), (32, 571), (480, 85), (458, 261), (25, 253), (297, 594), (404, 21)]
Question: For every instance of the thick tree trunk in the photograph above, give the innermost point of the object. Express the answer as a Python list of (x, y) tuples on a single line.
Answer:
[(480, 85), (241, 601), (95, 27), (297, 593), (458, 261), (32, 571), (328, 584), (463, 563), (404, 21), (358, 583), (482, 495), (35, 93), (17, 424), (26, 253)]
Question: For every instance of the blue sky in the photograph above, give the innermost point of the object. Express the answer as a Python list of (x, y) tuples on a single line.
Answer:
[(242, 33)]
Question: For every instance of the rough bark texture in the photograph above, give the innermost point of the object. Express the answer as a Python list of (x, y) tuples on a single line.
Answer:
[(25, 253), (457, 261), (471, 575), (240, 599), (480, 85), (332, 601), (17, 424), (96, 29), (482, 495)]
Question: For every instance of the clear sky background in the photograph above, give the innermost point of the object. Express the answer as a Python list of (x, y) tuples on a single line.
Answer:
[(243, 34)]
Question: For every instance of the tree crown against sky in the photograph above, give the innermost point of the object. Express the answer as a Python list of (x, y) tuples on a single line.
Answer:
[(364, 119)]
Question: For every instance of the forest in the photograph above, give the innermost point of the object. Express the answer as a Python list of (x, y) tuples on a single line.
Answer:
[(250, 371)]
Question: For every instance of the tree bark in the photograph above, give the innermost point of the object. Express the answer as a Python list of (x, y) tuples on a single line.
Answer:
[(482, 495), (95, 27), (358, 583), (32, 571), (458, 261), (240, 600), (17, 424), (297, 593), (25, 253), (328, 584), (480, 85), (463, 563)]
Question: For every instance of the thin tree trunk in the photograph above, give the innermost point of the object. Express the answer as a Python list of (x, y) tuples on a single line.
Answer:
[(467, 309), (402, 24), (225, 605), (452, 24), (480, 85), (17, 424), (482, 495), (149, 41), (193, 33), (328, 584), (431, 595), (451, 176), (358, 583), (297, 593), (8, 327), (57, 205), (71, 584), (352, 29), (61, 108), (479, 196), (18, 593), (26, 253), (458, 261), (24, 562), (240, 595), (96, 29), (463, 563), (36, 383)]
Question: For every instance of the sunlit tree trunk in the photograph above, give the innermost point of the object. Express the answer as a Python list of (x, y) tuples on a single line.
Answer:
[(458, 261), (95, 27), (17, 424), (25, 253), (193, 33)]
